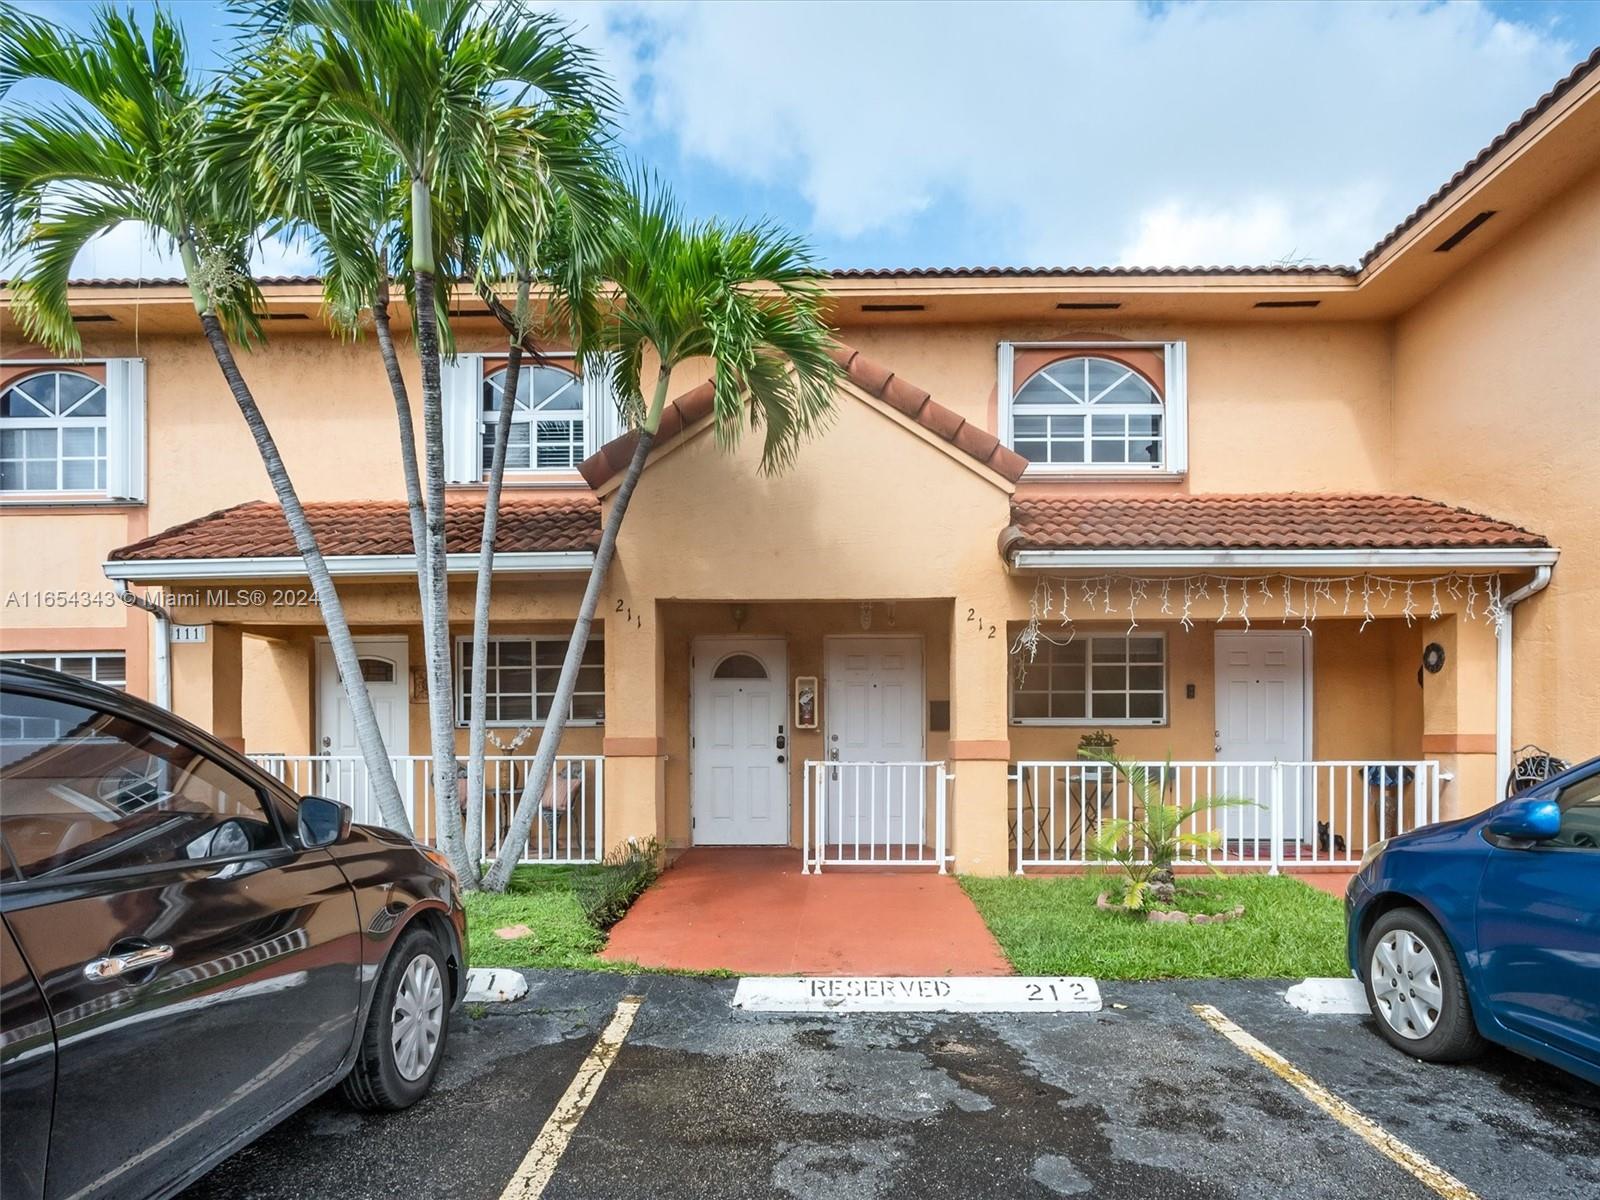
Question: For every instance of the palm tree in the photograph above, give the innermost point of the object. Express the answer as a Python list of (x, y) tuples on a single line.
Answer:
[(130, 146), (466, 100), (339, 193), (746, 297), (568, 266)]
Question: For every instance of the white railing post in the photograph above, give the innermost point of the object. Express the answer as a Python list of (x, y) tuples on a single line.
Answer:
[(822, 819), (941, 794), (805, 819), (599, 808), (1419, 795), (1021, 769), (1276, 823), (1433, 800)]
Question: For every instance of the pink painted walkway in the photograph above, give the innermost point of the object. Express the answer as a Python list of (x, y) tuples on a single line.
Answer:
[(751, 911)]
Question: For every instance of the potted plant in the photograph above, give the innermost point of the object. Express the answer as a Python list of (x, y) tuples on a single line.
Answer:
[(1097, 744)]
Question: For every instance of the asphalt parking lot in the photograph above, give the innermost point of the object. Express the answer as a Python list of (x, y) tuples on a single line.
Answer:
[(1142, 1099)]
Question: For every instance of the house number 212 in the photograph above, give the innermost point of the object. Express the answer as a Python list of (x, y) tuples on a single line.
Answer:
[(986, 628)]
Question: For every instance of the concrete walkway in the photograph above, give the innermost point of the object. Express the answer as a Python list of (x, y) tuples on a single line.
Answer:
[(751, 911)]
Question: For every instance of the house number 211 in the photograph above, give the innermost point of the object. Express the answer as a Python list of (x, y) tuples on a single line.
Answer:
[(629, 617)]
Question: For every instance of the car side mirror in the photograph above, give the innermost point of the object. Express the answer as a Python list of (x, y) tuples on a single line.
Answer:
[(322, 822), (1527, 819)]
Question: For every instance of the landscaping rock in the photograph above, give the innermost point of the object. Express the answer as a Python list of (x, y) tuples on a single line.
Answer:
[(513, 933), (1171, 916)]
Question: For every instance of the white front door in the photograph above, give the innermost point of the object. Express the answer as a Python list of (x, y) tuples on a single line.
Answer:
[(385, 668), (739, 742), (1261, 717), (874, 714)]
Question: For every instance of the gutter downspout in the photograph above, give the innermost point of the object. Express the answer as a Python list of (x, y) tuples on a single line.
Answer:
[(1502, 676), (163, 647)]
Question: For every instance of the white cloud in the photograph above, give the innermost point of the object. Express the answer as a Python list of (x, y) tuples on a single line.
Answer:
[(1198, 132), (129, 252)]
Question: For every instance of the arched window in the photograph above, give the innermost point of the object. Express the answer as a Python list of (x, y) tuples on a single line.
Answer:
[(1088, 411), (546, 423), (53, 434), (740, 666)]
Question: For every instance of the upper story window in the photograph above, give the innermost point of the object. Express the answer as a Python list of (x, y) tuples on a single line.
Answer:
[(53, 434), (1095, 408), (547, 422), (70, 433), (562, 413)]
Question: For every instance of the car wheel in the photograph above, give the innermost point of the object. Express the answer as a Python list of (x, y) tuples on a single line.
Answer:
[(403, 1043), (1415, 989)]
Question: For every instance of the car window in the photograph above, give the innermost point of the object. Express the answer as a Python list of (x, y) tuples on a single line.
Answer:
[(1580, 815), (86, 790)]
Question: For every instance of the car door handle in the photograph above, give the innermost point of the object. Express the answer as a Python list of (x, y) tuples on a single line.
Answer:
[(114, 966)]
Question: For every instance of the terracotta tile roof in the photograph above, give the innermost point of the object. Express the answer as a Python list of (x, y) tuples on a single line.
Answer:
[(257, 529), (877, 381), (1282, 521)]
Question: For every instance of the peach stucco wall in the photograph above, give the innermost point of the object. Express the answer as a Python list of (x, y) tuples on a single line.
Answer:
[(1497, 407), (1278, 407), (1485, 394)]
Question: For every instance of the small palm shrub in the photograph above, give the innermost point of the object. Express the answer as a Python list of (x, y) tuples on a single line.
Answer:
[(1145, 846), (608, 889)]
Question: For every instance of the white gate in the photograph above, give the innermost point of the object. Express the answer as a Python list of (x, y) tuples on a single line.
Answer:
[(880, 814)]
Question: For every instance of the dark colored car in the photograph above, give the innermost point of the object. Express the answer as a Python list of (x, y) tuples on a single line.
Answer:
[(188, 952), (1488, 928)]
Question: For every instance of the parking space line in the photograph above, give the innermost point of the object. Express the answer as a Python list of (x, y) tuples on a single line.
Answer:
[(1385, 1143), (539, 1164)]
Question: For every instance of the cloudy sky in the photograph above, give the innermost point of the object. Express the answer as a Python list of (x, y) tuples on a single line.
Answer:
[(996, 133)]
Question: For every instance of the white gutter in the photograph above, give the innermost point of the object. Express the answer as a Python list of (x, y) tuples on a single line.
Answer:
[(293, 567), (163, 645), (1498, 558), (1502, 676)]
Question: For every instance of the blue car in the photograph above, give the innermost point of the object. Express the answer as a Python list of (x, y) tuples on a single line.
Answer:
[(1488, 929)]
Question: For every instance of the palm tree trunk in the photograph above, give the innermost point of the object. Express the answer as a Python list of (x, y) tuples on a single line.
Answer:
[(477, 733), (380, 773), (408, 437), (436, 613), (538, 783)]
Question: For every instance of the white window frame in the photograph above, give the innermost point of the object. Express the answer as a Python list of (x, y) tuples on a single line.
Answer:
[(531, 418), (1089, 692), (463, 676), (1174, 411), (601, 421), (124, 425), (51, 659)]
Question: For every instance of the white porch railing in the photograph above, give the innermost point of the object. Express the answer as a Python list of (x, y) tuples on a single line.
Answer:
[(1301, 814), (570, 827), (882, 814)]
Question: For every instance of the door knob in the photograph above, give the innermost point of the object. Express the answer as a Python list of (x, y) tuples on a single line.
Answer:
[(114, 966)]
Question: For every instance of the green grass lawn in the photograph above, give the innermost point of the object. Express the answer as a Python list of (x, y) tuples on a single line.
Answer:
[(1050, 926), (542, 899)]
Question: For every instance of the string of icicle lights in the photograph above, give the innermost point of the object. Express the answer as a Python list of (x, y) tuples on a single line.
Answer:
[(1285, 598)]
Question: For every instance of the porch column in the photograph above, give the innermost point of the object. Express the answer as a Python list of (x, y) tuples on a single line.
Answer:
[(980, 738), (1458, 715), (208, 683), (634, 745)]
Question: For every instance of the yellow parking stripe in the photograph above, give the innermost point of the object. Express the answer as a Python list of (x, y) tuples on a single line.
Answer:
[(1385, 1143), (539, 1164)]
